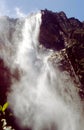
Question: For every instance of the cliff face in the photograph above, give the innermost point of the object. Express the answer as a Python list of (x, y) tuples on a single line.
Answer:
[(66, 36), (7, 29), (57, 32)]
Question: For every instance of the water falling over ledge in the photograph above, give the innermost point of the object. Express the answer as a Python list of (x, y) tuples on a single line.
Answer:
[(42, 98)]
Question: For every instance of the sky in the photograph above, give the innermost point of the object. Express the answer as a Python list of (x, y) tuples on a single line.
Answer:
[(20, 8)]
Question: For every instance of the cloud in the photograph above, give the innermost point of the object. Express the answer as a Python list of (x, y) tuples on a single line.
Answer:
[(5, 10), (19, 12)]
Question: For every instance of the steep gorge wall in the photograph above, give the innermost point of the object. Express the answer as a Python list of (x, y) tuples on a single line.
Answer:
[(66, 37), (57, 32)]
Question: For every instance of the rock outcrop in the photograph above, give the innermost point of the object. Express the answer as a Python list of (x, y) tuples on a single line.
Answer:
[(66, 36)]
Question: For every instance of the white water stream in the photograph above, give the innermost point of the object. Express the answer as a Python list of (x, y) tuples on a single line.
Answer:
[(44, 98)]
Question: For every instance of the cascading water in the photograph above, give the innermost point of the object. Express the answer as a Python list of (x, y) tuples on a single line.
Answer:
[(38, 99)]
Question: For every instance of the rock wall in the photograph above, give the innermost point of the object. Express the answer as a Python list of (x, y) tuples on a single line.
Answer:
[(66, 37)]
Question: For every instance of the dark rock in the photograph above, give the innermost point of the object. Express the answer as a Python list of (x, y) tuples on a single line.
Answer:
[(76, 56), (57, 32), (50, 35), (5, 81), (75, 23), (65, 34)]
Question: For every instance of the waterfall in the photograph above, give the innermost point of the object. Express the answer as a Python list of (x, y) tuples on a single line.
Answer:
[(43, 98)]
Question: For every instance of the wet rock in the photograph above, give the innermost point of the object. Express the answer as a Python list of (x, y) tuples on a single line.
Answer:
[(5, 81), (60, 33), (66, 37), (50, 31)]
